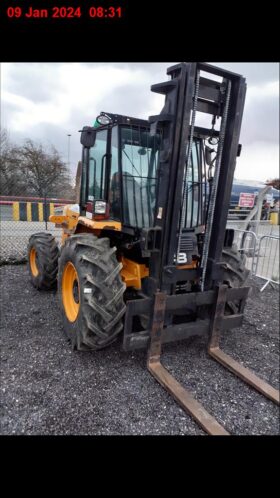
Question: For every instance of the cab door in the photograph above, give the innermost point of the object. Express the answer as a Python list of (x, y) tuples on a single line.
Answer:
[(95, 163), (98, 158)]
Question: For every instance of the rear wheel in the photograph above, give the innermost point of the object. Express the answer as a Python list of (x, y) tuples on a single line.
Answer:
[(91, 292), (43, 260)]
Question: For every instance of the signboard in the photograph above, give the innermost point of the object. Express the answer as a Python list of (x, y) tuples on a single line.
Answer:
[(246, 200)]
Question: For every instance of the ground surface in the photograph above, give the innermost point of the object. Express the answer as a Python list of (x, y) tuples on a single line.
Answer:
[(48, 389)]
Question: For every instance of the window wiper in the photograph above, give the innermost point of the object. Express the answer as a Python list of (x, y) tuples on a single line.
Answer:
[(132, 163)]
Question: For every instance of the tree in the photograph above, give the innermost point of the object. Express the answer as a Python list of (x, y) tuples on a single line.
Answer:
[(45, 174), (78, 182), (33, 170), (10, 179), (274, 183)]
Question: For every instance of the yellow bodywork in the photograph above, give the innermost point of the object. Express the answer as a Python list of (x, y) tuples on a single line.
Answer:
[(188, 266), (100, 225), (67, 220), (70, 219), (131, 273)]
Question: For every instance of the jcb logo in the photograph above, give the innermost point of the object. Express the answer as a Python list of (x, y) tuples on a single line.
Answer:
[(182, 258)]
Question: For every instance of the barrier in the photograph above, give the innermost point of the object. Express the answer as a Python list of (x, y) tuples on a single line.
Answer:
[(247, 242), (32, 211), (261, 247), (259, 227), (267, 263), (20, 217)]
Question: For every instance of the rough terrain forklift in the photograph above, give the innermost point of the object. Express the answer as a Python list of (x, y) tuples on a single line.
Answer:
[(146, 251)]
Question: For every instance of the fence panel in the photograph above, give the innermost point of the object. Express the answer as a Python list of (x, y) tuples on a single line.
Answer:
[(260, 228), (247, 242), (20, 219), (267, 262)]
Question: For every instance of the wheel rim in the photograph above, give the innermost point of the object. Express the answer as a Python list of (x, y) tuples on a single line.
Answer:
[(70, 291), (32, 261)]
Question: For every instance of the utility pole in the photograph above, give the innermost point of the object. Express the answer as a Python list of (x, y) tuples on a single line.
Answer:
[(69, 135)]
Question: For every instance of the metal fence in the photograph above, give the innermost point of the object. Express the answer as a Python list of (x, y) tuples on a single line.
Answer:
[(260, 243), (267, 260), (258, 240), (260, 228), (247, 243), (19, 219)]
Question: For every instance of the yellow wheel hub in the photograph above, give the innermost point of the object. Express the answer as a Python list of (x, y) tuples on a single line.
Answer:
[(32, 262), (70, 291)]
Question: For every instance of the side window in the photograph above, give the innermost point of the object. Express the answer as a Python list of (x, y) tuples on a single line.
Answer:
[(97, 166), (83, 199), (114, 185)]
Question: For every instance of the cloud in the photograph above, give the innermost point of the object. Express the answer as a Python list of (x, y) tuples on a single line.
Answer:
[(258, 161), (79, 89), (261, 114), (255, 73), (46, 101)]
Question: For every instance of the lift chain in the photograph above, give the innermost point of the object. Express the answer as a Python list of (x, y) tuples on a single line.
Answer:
[(212, 202), (186, 172)]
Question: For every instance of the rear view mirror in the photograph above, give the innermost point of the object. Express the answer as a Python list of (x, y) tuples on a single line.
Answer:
[(88, 136), (208, 155)]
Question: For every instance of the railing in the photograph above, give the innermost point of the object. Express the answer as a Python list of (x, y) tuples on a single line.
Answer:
[(260, 228), (237, 213), (247, 243), (260, 244), (267, 262), (19, 219)]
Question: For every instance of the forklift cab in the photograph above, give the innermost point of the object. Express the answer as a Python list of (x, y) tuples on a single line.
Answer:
[(120, 171)]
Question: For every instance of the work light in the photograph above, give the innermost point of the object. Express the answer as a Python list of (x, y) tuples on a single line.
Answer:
[(99, 207)]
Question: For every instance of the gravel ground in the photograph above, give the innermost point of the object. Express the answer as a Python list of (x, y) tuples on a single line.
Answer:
[(46, 388)]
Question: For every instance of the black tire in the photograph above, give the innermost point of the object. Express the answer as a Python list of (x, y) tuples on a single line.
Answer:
[(42, 260), (99, 317), (236, 274)]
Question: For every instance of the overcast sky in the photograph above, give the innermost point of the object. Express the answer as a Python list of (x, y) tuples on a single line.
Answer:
[(47, 101)]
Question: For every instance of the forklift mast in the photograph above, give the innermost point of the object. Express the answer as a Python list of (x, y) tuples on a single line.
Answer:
[(187, 94)]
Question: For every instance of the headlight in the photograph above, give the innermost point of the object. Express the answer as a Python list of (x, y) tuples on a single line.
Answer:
[(99, 207)]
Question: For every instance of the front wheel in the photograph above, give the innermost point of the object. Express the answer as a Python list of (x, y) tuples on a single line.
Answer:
[(91, 292)]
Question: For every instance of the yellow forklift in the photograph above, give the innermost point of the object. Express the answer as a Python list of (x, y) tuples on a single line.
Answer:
[(146, 253)]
